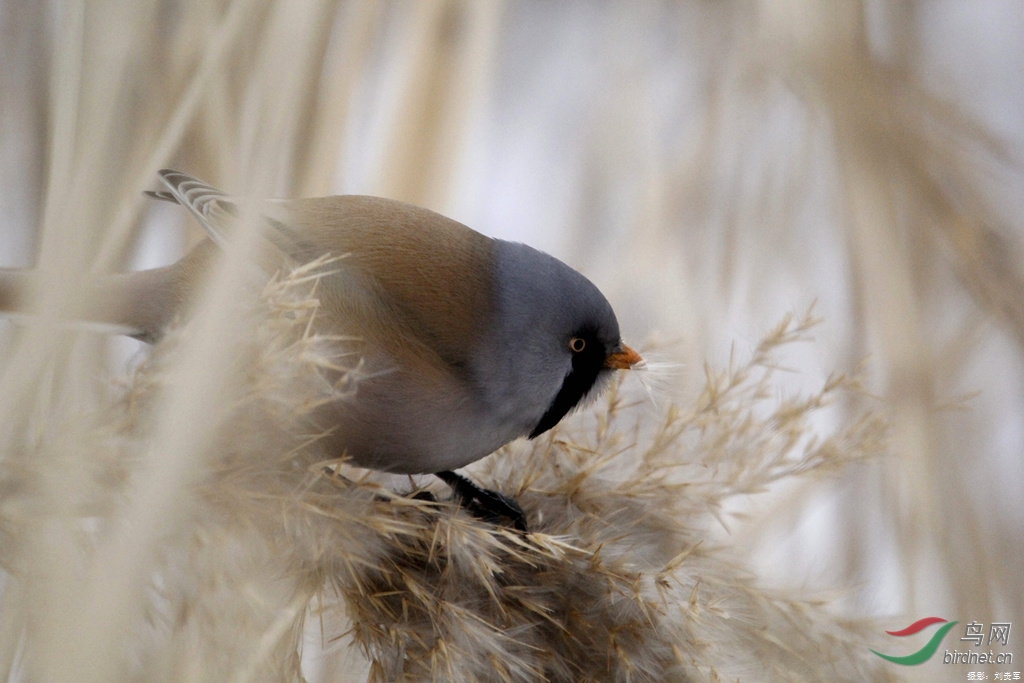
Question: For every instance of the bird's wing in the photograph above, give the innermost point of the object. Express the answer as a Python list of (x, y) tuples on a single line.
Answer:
[(218, 212), (211, 207)]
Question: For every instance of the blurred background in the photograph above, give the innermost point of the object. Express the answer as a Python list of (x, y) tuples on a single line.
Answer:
[(710, 165)]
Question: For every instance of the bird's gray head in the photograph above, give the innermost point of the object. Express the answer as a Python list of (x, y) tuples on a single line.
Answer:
[(555, 339)]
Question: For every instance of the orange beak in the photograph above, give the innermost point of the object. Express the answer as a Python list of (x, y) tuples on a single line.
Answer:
[(624, 359)]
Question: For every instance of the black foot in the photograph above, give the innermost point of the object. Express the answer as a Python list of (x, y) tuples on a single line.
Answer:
[(488, 505)]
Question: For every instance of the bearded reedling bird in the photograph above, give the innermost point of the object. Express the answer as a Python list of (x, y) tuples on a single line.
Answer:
[(469, 342)]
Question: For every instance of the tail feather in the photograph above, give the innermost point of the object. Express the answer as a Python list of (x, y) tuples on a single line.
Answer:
[(110, 302), (140, 304), (143, 303), (14, 286)]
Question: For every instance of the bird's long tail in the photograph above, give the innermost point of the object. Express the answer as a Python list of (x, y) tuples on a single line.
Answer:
[(14, 283), (140, 304)]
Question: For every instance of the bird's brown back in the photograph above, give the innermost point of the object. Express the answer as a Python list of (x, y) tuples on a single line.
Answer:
[(434, 272)]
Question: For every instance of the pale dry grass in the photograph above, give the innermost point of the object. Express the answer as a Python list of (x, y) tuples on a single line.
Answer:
[(715, 164), (616, 581)]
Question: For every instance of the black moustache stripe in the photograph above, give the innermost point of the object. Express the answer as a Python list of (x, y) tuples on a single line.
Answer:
[(586, 366)]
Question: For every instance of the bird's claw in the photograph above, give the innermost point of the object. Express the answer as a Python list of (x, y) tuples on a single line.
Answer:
[(490, 506)]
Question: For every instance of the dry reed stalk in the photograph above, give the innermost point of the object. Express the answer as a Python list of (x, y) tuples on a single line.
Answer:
[(615, 582)]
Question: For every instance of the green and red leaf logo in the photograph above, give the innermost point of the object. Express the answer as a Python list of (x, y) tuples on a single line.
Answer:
[(930, 647)]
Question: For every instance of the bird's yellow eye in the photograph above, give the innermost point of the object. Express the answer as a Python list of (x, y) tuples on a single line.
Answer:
[(577, 344)]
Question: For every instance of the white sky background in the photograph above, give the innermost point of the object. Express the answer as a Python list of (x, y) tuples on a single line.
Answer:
[(591, 109)]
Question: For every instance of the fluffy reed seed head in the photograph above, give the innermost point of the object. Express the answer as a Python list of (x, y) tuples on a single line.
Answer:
[(617, 581)]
